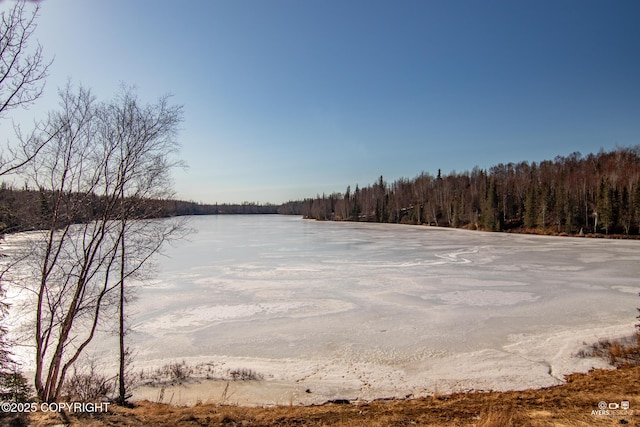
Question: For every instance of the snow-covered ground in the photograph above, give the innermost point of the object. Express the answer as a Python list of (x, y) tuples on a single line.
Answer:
[(328, 310)]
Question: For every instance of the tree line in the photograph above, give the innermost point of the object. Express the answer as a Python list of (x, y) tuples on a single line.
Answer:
[(181, 207), (596, 193), (27, 209)]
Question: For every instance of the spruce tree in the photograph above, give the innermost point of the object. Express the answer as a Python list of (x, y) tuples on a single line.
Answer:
[(5, 360), (604, 205), (13, 385), (489, 213)]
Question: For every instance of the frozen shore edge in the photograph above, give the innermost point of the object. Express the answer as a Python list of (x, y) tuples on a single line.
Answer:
[(533, 362)]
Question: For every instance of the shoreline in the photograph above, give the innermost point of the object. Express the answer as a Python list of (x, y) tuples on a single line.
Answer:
[(533, 362), (576, 402), (518, 230)]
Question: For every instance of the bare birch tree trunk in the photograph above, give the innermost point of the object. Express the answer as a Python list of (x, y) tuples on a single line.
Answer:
[(102, 164)]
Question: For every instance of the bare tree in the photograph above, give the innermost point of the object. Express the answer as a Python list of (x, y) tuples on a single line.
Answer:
[(101, 166), (71, 260), (145, 139), (22, 74)]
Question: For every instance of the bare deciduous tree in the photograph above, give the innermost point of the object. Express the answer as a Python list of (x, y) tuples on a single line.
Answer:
[(145, 137), (101, 166), (22, 74)]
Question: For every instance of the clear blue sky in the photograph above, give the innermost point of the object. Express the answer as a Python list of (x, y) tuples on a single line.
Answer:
[(284, 99)]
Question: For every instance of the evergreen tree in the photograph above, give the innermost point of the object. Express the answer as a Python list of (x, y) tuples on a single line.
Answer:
[(458, 212), (355, 205), (490, 211), (604, 205), (626, 218), (5, 359), (530, 208), (544, 203), (381, 200), (570, 213), (13, 385)]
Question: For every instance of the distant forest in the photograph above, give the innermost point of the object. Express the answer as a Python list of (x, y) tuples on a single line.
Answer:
[(29, 209), (593, 194), (597, 193)]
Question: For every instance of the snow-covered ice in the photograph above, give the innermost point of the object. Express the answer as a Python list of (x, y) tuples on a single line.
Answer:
[(355, 310)]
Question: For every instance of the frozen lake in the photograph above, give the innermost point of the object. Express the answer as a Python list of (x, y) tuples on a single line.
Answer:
[(329, 310), (360, 310)]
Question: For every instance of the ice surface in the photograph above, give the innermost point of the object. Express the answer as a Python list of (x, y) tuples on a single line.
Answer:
[(353, 310)]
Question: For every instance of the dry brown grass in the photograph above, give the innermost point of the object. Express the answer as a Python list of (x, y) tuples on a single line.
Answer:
[(496, 417), (619, 353), (570, 405)]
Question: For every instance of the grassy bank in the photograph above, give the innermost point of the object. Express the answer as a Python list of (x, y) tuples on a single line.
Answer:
[(570, 404)]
